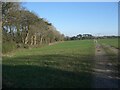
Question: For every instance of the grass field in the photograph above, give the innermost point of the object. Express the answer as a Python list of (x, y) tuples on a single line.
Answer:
[(66, 64), (111, 42)]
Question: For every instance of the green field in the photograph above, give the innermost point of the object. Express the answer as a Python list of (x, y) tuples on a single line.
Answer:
[(66, 64), (111, 42)]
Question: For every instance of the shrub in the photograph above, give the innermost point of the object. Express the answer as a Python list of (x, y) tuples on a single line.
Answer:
[(22, 46), (8, 46)]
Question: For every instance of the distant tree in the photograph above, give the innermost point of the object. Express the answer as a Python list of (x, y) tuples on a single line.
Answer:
[(87, 36), (79, 36), (74, 38), (67, 38)]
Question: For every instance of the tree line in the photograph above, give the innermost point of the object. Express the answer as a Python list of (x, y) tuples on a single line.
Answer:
[(21, 27), (88, 36), (79, 37)]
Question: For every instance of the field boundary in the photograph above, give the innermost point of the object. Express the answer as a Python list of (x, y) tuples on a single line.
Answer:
[(55, 43)]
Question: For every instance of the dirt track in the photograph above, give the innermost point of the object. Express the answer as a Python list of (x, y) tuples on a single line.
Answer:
[(104, 74)]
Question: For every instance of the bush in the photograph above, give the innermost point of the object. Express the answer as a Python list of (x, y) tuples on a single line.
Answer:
[(22, 46), (8, 46), (26, 46)]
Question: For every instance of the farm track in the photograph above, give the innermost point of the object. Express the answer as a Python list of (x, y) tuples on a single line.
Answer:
[(104, 74)]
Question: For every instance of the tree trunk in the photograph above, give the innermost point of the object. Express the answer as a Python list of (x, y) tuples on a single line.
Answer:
[(41, 39), (34, 39), (23, 40), (10, 30), (26, 38)]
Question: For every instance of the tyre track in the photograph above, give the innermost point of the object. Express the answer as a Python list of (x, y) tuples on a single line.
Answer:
[(104, 74)]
